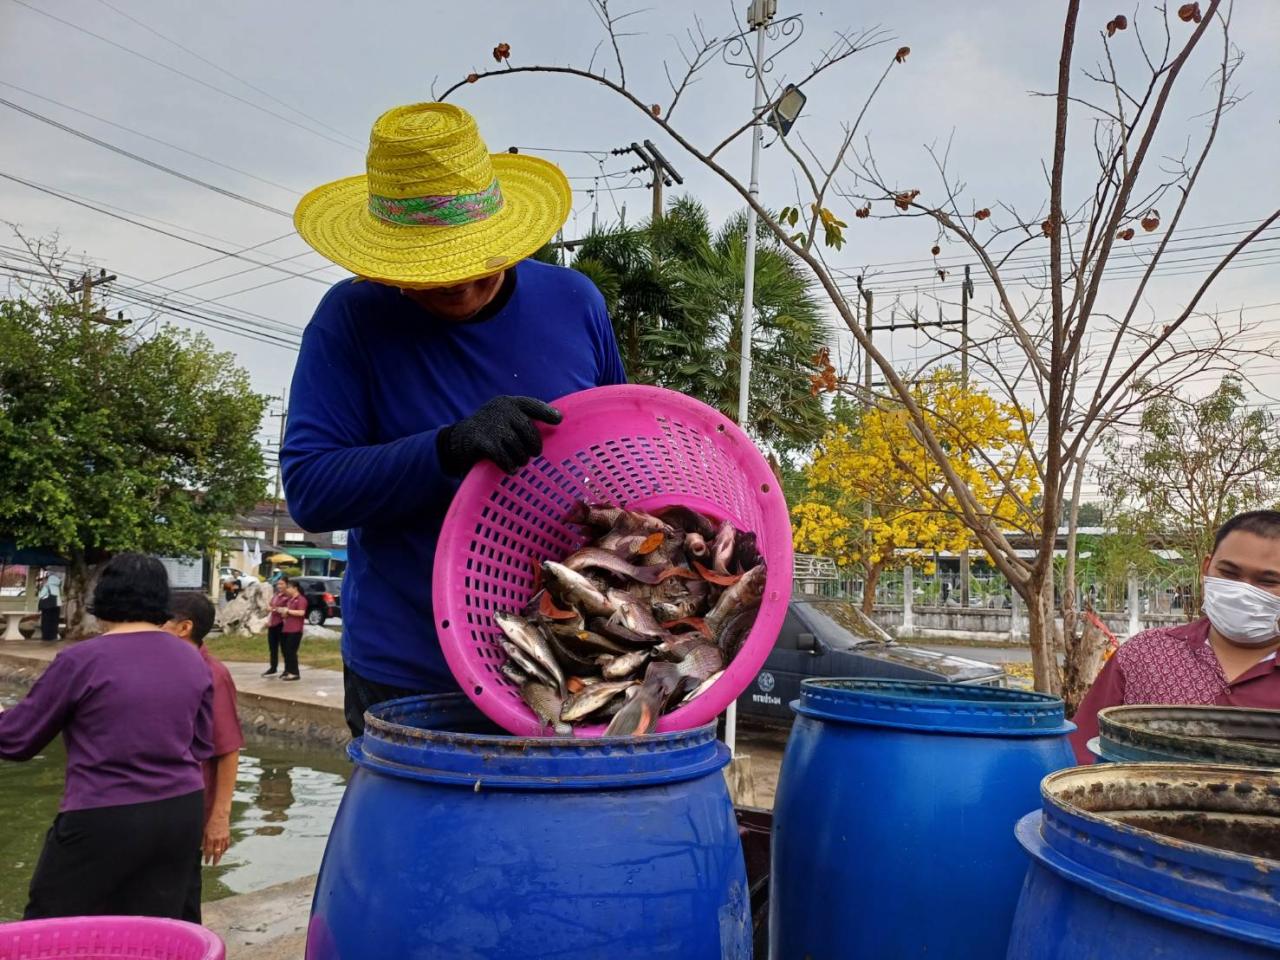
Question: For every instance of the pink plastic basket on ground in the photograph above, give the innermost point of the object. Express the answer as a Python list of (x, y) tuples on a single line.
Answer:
[(108, 938), (630, 446)]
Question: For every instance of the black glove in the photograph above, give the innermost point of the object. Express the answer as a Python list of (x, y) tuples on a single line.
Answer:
[(502, 431)]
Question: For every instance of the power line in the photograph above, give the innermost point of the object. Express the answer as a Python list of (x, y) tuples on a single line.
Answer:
[(236, 273), (930, 273), (266, 283), (233, 314), (141, 159), (140, 216), (589, 153), (997, 255), (196, 243), (249, 320), (348, 143), (146, 136), (205, 263), (210, 323), (199, 319), (229, 313), (1118, 273), (223, 70)]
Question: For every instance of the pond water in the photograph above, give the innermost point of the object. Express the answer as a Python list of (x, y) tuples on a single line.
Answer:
[(284, 805)]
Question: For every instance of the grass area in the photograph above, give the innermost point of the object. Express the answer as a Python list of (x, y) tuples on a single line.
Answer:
[(314, 652)]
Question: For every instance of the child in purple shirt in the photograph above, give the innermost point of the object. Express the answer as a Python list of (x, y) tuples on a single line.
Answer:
[(134, 707)]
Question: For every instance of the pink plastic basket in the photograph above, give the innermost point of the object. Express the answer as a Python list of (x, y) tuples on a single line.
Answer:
[(108, 938), (630, 446)]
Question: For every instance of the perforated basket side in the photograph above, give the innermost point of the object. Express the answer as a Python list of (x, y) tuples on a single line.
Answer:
[(636, 447)]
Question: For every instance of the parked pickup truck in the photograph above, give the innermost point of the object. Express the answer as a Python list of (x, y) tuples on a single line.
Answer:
[(833, 638)]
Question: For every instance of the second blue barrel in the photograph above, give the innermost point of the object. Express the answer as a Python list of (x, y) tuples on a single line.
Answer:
[(894, 818), (455, 841)]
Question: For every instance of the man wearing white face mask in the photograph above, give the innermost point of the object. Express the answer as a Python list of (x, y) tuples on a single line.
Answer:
[(1227, 658)]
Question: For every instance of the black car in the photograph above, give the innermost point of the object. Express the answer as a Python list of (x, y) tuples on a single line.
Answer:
[(324, 597), (833, 638)]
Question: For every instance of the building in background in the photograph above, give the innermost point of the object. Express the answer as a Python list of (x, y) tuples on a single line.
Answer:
[(317, 554)]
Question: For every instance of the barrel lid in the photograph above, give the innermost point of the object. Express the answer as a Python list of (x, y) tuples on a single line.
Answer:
[(1196, 843), (938, 707), (443, 738), (1239, 736)]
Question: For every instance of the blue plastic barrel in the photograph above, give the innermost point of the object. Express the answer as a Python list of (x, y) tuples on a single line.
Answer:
[(1152, 860), (1230, 736), (893, 823), (454, 840)]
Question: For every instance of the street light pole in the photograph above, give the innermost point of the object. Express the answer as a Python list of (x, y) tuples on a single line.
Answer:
[(758, 16)]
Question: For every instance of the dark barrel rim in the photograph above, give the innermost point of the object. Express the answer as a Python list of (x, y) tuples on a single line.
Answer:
[(1237, 736), (933, 707), (1077, 835), (428, 738)]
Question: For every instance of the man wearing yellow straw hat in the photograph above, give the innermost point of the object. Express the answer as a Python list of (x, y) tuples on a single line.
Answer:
[(442, 352)]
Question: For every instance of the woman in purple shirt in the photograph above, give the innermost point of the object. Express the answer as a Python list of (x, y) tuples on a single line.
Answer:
[(134, 707)]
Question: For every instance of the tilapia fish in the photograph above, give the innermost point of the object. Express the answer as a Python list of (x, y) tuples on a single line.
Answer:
[(591, 699), (531, 640), (597, 559), (641, 619), (546, 705)]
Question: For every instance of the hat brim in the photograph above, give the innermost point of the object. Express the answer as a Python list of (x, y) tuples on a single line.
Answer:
[(335, 220)]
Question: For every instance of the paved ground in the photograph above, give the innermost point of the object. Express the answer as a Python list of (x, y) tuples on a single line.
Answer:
[(320, 688), (269, 924)]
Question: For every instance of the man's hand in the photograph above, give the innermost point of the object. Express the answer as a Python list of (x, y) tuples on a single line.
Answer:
[(502, 431), (217, 837)]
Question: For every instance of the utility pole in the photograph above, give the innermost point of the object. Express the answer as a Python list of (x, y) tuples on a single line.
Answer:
[(966, 291), (283, 416), (85, 287), (866, 353), (867, 298), (659, 168)]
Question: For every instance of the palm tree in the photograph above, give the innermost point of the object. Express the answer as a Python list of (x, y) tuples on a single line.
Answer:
[(674, 291)]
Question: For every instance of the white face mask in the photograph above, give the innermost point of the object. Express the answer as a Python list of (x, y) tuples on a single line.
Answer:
[(1244, 614)]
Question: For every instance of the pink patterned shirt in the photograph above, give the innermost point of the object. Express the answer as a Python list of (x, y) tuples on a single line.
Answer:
[(1173, 665)]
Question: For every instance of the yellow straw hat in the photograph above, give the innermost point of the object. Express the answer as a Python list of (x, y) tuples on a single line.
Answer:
[(435, 207)]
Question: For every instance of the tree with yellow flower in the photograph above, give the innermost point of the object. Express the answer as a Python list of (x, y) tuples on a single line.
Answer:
[(873, 489)]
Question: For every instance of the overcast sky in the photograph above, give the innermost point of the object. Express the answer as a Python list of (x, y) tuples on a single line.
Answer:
[(299, 83)]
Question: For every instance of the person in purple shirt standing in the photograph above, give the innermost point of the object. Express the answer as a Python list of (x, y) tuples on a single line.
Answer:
[(446, 350), (134, 707)]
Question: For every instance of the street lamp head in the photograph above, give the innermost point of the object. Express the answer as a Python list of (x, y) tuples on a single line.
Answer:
[(788, 109), (761, 12)]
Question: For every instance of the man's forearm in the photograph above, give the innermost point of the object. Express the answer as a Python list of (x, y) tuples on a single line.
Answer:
[(349, 487), (224, 782)]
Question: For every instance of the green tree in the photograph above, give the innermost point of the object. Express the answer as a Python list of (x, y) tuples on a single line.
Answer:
[(674, 291), (1193, 465), (111, 442)]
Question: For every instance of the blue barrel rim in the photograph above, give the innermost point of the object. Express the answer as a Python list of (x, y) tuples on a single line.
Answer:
[(1184, 882), (410, 751), (1132, 733), (933, 706)]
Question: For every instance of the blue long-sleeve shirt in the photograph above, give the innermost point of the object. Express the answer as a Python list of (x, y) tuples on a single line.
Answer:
[(376, 380)]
